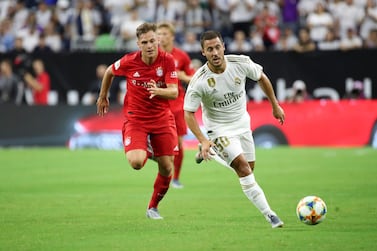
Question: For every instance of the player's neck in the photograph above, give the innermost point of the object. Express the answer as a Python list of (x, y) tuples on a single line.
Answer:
[(167, 48), (148, 60), (217, 69)]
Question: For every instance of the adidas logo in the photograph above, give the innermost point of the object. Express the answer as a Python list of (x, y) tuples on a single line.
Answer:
[(136, 75)]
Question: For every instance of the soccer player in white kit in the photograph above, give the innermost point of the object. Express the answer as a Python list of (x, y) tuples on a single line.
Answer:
[(219, 88)]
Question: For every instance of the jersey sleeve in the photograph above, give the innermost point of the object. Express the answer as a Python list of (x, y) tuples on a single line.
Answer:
[(193, 96), (253, 70), (119, 66)]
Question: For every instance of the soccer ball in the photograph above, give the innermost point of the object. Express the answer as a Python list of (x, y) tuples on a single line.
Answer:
[(311, 210)]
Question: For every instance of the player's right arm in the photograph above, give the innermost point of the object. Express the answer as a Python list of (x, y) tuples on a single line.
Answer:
[(103, 99), (193, 124)]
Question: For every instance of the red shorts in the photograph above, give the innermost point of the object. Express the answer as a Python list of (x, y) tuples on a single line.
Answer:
[(180, 122), (163, 136)]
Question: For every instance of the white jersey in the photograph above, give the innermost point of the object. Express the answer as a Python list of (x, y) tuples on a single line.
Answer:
[(222, 96)]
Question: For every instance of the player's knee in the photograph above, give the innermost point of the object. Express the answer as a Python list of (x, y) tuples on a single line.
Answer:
[(136, 164)]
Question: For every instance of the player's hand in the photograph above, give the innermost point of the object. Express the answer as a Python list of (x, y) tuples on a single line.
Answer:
[(102, 106), (206, 149), (279, 114), (152, 88)]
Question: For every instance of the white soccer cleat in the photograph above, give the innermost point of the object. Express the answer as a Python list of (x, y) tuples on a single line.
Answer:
[(152, 213), (274, 220)]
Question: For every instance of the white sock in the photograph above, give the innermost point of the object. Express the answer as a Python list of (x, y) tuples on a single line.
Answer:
[(255, 194)]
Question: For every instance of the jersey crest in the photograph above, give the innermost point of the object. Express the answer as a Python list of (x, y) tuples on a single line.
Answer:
[(159, 71), (211, 82), (237, 81)]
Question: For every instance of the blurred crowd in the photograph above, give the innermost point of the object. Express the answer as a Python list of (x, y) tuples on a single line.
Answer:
[(247, 25)]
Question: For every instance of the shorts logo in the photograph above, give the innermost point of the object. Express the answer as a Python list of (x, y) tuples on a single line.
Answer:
[(159, 71), (127, 141), (211, 82)]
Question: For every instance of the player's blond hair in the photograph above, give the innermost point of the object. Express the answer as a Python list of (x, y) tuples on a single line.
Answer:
[(168, 26)]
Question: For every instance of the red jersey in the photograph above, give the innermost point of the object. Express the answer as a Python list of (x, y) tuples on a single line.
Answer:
[(137, 103), (182, 63), (40, 97)]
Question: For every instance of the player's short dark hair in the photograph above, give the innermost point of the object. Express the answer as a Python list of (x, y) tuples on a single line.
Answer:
[(208, 35), (144, 28)]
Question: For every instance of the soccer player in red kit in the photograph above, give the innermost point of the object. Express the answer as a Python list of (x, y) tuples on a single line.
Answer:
[(166, 34), (151, 81)]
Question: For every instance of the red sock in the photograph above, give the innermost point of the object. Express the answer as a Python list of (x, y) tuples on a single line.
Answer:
[(161, 186), (178, 164)]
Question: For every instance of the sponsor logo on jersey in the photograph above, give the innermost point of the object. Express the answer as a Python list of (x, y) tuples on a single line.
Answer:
[(173, 74), (211, 82), (159, 71)]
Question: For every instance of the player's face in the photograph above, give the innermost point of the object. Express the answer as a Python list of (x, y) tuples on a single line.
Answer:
[(165, 36), (148, 44), (213, 50)]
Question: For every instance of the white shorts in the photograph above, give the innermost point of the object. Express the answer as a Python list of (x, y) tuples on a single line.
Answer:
[(229, 148)]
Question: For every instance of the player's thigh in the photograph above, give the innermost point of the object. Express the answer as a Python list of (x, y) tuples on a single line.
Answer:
[(134, 137), (165, 143), (230, 147), (248, 146), (180, 122)]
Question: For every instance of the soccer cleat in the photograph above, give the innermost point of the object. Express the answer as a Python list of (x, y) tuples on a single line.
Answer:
[(274, 220), (152, 213), (176, 184), (198, 155)]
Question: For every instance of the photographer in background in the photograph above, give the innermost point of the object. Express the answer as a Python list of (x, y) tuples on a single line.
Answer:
[(299, 92)]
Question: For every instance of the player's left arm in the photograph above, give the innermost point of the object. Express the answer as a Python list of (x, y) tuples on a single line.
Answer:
[(265, 83)]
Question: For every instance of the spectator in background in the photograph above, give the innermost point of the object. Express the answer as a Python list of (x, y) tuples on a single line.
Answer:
[(128, 30), (299, 92), (349, 17), (52, 37), (196, 18), (356, 92), (191, 43), (289, 14), (256, 40), (331, 42), (11, 86), (241, 15), (30, 33), (43, 14), (371, 41), (6, 35), (287, 40), (20, 15), (267, 24), (319, 22), (39, 82), (369, 21), (239, 43), (305, 43), (351, 41), (42, 46)]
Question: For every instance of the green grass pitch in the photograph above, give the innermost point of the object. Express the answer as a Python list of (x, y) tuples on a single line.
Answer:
[(57, 199)]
